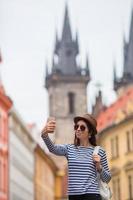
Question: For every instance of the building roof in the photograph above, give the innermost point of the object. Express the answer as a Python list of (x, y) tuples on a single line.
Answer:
[(117, 111)]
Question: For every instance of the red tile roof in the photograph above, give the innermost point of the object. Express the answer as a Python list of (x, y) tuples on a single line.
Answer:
[(117, 111)]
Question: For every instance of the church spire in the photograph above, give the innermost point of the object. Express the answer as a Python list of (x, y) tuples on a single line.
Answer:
[(66, 33), (57, 43), (66, 49), (46, 69), (87, 66), (127, 77), (125, 53), (77, 42), (98, 106), (128, 53), (114, 74), (131, 27)]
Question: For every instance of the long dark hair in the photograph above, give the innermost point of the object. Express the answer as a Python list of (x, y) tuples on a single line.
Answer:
[(91, 137)]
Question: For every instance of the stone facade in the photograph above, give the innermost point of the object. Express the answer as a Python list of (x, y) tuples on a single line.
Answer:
[(5, 106), (67, 84), (59, 108), (21, 168)]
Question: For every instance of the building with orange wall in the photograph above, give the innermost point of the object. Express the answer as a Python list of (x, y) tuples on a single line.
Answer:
[(5, 105), (115, 127)]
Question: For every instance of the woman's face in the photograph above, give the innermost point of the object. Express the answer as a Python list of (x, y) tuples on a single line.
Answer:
[(81, 130)]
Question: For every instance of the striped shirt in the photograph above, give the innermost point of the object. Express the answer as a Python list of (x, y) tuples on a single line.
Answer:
[(82, 174)]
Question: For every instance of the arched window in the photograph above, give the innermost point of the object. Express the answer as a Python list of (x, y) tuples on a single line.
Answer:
[(71, 101)]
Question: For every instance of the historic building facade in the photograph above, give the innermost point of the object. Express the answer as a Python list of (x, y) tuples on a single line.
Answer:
[(5, 105), (66, 84), (48, 177), (115, 126), (21, 168)]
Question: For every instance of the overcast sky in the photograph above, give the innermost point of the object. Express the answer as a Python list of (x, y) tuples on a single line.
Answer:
[(27, 35)]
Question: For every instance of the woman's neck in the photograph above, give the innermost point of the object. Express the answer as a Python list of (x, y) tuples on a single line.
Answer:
[(84, 143)]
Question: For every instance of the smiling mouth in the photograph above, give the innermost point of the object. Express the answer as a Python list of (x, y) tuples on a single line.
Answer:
[(79, 133)]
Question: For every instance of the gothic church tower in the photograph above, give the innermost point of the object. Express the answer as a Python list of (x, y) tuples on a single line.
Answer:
[(66, 84), (126, 81)]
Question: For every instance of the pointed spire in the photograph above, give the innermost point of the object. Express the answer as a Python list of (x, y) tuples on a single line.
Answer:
[(76, 42), (87, 66), (131, 27), (57, 43), (114, 73), (124, 44), (76, 37), (56, 37), (128, 52), (98, 106), (46, 69), (124, 40), (125, 53), (66, 33), (100, 94), (53, 63)]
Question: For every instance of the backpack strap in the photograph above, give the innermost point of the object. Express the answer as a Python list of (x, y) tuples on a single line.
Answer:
[(96, 150)]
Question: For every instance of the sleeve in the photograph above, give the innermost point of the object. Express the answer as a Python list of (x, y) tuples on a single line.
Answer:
[(60, 150), (105, 173)]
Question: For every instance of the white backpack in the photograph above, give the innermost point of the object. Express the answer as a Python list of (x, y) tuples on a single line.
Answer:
[(105, 191)]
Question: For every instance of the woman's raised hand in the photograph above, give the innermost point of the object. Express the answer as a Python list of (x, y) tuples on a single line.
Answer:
[(49, 126)]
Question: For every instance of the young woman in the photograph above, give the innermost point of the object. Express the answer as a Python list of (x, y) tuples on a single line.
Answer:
[(82, 164)]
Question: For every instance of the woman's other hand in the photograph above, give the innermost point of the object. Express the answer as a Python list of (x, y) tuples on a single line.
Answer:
[(97, 161), (49, 126)]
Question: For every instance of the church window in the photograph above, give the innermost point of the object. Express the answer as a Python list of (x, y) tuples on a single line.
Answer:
[(71, 101)]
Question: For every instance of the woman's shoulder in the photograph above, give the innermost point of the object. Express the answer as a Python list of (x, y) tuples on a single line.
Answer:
[(72, 147), (100, 150)]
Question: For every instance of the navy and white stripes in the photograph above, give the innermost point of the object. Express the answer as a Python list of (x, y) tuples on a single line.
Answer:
[(82, 174)]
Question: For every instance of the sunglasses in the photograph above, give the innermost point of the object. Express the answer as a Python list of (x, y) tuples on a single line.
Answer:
[(82, 127)]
